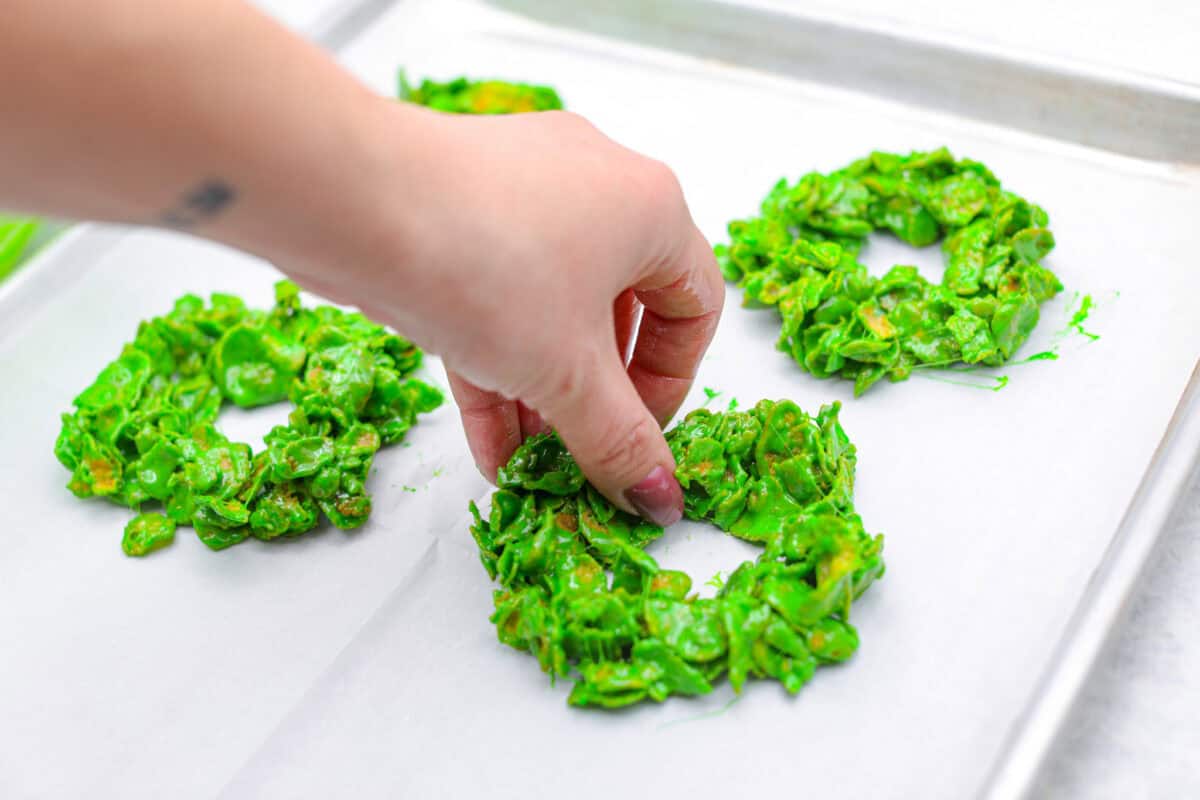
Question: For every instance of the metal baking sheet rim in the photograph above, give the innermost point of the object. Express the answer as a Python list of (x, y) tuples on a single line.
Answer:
[(1102, 605), (1131, 114)]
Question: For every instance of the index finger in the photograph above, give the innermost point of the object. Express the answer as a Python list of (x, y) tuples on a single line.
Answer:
[(683, 299)]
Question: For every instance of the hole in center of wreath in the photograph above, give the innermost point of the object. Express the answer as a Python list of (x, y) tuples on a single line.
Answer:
[(882, 251), (704, 551), (250, 425)]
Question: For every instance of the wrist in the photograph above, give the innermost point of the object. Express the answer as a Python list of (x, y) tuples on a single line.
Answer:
[(307, 206), (381, 242)]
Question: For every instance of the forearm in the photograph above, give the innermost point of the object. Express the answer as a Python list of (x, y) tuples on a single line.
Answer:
[(202, 115)]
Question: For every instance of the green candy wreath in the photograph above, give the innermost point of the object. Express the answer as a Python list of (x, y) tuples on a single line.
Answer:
[(580, 593), (143, 433), (799, 256)]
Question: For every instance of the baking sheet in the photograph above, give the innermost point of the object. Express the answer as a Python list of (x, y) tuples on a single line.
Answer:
[(997, 506), (370, 656)]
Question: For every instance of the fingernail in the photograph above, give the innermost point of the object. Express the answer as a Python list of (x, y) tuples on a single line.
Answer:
[(657, 497)]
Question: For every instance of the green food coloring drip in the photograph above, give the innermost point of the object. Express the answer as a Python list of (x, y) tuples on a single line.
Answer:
[(1080, 316)]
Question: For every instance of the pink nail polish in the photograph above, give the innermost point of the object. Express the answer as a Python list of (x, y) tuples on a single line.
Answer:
[(657, 497)]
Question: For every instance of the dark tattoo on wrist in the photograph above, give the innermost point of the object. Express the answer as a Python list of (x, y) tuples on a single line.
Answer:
[(200, 204)]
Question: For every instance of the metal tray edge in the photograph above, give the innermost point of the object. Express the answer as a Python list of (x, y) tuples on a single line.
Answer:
[(1102, 604), (1121, 112)]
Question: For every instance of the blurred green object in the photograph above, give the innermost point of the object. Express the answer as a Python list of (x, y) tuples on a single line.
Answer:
[(14, 239), (467, 96)]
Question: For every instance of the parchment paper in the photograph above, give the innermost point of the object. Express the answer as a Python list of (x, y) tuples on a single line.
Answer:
[(155, 677)]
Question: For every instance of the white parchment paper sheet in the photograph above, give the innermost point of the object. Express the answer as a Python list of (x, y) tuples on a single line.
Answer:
[(155, 677)]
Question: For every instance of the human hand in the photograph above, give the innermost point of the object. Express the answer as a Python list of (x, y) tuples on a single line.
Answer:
[(518, 248), (521, 249)]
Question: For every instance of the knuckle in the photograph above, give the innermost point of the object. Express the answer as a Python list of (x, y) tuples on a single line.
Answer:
[(662, 185), (554, 383), (569, 385), (570, 120)]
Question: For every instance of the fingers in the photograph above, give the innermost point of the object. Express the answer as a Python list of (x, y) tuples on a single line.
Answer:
[(604, 386), (614, 438), (683, 301), (493, 424)]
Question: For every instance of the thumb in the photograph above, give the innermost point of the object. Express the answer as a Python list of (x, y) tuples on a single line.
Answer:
[(615, 439)]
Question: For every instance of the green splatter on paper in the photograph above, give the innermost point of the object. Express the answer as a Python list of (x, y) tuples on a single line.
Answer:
[(994, 382), (716, 712), (716, 581), (1080, 316), (710, 395)]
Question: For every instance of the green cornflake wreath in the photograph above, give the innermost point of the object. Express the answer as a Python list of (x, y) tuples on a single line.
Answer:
[(580, 591), (143, 433), (466, 96), (799, 256)]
